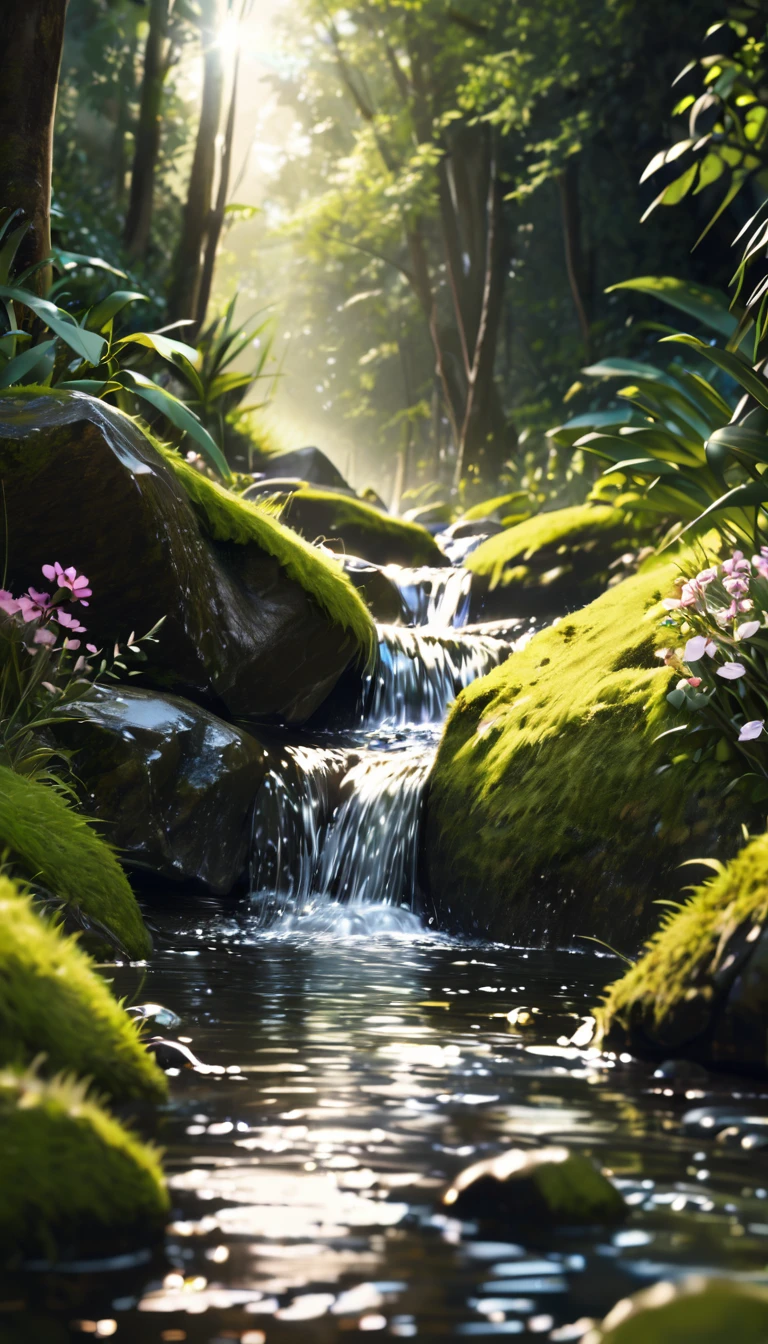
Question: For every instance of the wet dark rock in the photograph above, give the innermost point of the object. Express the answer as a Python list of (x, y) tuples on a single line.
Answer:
[(473, 527), (540, 1185), (434, 517), (311, 464), (682, 1074), (287, 485), (172, 785), (692, 1311), (172, 1054), (239, 633), (154, 1012), (380, 593)]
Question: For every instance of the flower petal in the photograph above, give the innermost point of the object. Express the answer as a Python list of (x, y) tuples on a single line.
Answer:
[(731, 671)]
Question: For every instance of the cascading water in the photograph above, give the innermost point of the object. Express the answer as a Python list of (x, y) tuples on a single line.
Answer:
[(418, 674), (438, 598)]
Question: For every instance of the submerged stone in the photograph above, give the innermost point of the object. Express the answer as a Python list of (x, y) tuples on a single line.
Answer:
[(696, 1310), (172, 785), (54, 1004), (71, 1177), (539, 1185), (364, 529), (256, 621)]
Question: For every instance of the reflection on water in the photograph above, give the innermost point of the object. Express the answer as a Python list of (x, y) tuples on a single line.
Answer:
[(354, 1077)]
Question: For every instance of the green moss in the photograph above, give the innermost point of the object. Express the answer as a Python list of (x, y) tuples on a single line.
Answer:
[(683, 971), (53, 1002), (693, 1311), (230, 518), (543, 1185), (48, 842), (501, 505), (578, 542), (67, 1167), (361, 526), (551, 807)]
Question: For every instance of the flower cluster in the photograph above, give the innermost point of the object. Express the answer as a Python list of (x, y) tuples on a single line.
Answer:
[(723, 656), (42, 610)]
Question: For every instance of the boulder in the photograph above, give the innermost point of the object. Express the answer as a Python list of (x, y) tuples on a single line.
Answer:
[(311, 464), (434, 516), (554, 810), (380, 594), (509, 509), (364, 530), (257, 622), (55, 1005), (472, 527), (47, 842), (695, 1310), (700, 991), (548, 563), (534, 1187), (72, 1178), (171, 785)]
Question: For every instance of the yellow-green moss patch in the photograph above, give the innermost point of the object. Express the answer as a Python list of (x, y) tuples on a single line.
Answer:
[(501, 506), (694, 1311), (68, 1168), (53, 1002), (228, 517), (575, 543), (49, 843), (365, 530)]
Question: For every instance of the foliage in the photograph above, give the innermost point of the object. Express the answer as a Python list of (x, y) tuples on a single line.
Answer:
[(52, 1001)]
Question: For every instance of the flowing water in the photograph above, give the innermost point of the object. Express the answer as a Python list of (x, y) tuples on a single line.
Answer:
[(351, 1059)]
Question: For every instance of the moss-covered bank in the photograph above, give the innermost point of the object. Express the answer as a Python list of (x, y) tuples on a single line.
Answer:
[(47, 842), (365, 530), (552, 812), (69, 1172), (701, 988), (52, 1002), (548, 562)]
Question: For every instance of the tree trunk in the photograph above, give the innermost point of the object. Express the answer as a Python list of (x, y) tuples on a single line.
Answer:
[(216, 221), (138, 220), (30, 57), (185, 289), (570, 215)]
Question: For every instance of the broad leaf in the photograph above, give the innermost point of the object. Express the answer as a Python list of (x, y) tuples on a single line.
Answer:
[(179, 415), (706, 305), (86, 344), (27, 363)]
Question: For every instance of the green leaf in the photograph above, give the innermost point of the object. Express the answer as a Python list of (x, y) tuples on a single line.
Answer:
[(707, 305), (626, 368), (9, 249), (105, 312), (164, 346), (740, 440), (676, 699), (179, 415), (23, 365), (84, 343), (740, 371)]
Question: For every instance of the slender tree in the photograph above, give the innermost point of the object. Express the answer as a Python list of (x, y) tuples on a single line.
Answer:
[(138, 220), (30, 58)]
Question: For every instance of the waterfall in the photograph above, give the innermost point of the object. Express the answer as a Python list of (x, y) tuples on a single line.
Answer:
[(418, 674), (438, 598)]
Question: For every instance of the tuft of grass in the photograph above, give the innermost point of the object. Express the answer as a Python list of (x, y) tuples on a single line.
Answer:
[(67, 1167), (48, 842), (230, 518), (53, 1001)]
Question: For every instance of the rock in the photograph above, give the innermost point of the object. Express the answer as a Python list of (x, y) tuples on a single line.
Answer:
[(71, 1177), (468, 527), (372, 496), (364, 530), (286, 485), (171, 785), (535, 1186), (311, 464), (554, 764), (380, 594), (172, 1054), (548, 563), (155, 1013), (682, 1075), (48, 843), (695, 1310), (702, 985), (434, 517), (256, 621), (54, 1004)]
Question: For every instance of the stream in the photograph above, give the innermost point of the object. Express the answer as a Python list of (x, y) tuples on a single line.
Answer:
[(345, 1058)]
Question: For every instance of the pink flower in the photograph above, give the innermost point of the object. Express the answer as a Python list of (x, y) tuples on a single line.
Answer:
[(731, 671), (44, 636), (706, 576), (8, 603), (697, 647), (35, 605), (91, 648), (694, 681), (738, 565), (730, 613), (671, 603), (69, 622), (751, 730), (736, 586), (747, 629), (761, 564), (69, 578)]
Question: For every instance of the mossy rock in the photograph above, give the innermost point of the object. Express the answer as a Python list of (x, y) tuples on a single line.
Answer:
[(701, 988), (364, 529), (50, 844), (551, 811), (499, 507), (432, 516), (694, 1311), (71, 1174), (258, 622), (53, 1002), (534, 1187), (547, 563)]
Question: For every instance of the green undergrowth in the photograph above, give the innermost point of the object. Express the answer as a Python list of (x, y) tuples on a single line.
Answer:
[(334, 514), (47, 842), (53, 1002), (567, 541), (553, 806), (686, 954), (230, 518), (68, 1168)]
